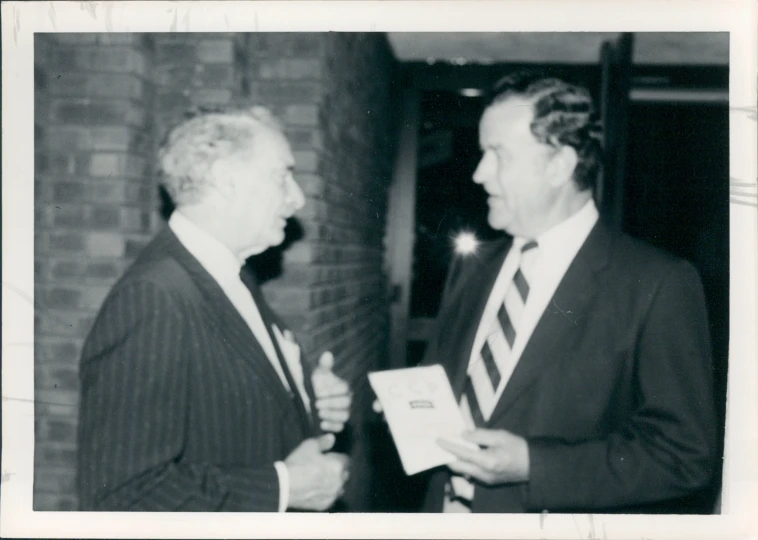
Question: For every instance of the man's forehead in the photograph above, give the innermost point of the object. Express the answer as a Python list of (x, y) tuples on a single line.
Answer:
[(513, 115), (272, 141), (268, 135), (513, 109)]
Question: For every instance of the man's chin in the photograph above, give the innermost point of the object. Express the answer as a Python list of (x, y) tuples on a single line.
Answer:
[(252, 252), (497, 222), (277, 237), (260, 248)]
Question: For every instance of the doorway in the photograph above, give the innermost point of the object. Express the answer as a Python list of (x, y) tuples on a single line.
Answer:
[(677, 198), (673, 194)]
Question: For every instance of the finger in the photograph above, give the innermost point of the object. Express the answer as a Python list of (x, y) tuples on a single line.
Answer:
[(342, 459), (326, 360), (325, 442), (333, 388), (333, 427), (469, 470), (329, 381), (334, 416), (377, 407), (339, 462), (487, 437), (334, 402), (482, 459), (459, 451)]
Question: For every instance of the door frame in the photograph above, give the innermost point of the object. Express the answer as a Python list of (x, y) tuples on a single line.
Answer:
[(401, 219), (613, 79)]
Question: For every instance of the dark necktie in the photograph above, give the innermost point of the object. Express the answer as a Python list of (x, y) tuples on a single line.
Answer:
[(249, 281)]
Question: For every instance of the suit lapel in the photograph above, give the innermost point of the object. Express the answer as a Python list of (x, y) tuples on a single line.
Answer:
[(468, 314), (561, 321), (306, 367), (272, 322), (225, 317)]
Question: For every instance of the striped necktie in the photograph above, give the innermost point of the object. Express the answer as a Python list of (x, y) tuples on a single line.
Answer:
[(494, 365)]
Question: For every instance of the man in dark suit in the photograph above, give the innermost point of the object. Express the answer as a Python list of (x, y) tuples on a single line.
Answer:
[(194, 395), (580, 356)]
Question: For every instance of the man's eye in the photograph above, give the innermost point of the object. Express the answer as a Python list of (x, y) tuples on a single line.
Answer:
[(502, 154)]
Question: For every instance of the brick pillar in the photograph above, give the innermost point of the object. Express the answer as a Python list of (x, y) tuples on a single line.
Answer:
[(285, 75), (93, 204), (332, 90), (355, 167)]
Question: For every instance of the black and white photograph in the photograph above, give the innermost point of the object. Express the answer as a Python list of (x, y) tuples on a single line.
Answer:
[(344, 270)]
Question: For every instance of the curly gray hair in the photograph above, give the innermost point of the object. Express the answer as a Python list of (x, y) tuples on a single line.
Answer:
[(191, 148)]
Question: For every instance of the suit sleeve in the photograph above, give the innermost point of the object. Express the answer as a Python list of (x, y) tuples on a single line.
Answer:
[(134, 404), (665, 449)]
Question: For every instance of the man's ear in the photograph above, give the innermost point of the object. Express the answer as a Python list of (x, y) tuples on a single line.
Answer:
[(562, 165), (220, 174)]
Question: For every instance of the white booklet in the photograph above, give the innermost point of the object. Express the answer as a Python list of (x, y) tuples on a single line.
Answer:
[(420, 408)]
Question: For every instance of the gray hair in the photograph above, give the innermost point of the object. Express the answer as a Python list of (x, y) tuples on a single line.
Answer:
[(193, 146)]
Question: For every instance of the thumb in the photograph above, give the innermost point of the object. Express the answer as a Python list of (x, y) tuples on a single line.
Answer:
[(326, 361), (325, 442)]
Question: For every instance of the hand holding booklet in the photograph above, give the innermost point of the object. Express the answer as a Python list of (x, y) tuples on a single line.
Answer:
[(420, 408)]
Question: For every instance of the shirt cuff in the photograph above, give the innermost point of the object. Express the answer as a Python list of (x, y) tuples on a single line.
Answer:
[(284, 485)]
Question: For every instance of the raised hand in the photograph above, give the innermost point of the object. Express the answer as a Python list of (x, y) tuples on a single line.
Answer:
[(333, 396)]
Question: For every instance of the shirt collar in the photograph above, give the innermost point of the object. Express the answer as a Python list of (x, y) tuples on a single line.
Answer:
[(212, 255), (568, 235)]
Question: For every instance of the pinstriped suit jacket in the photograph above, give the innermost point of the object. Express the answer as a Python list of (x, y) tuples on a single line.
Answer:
[(180, 408)]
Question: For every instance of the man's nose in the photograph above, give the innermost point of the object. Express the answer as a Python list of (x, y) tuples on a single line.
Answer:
[(479, 176), (295, 194)]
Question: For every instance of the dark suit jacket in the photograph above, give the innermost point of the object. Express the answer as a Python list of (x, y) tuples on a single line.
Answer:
[(180, 408), (613, 391)]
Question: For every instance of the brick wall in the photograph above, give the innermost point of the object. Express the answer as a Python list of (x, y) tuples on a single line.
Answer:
[(356, 168), (193, 70), (333, 92), (92, 214), (103, 103)]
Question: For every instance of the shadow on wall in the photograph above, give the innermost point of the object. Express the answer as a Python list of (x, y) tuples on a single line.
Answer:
[(268, 265)]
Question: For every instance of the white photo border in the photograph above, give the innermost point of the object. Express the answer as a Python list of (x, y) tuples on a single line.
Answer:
[(20, 20)]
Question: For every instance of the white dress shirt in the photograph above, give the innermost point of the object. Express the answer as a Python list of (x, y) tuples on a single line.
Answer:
[(224, 267), (557, 248)]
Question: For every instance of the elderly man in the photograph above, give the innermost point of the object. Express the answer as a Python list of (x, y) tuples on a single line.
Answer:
[(579, 356), (194, 395)]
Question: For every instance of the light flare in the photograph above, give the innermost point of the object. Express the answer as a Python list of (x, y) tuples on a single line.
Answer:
[(466, 243)]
